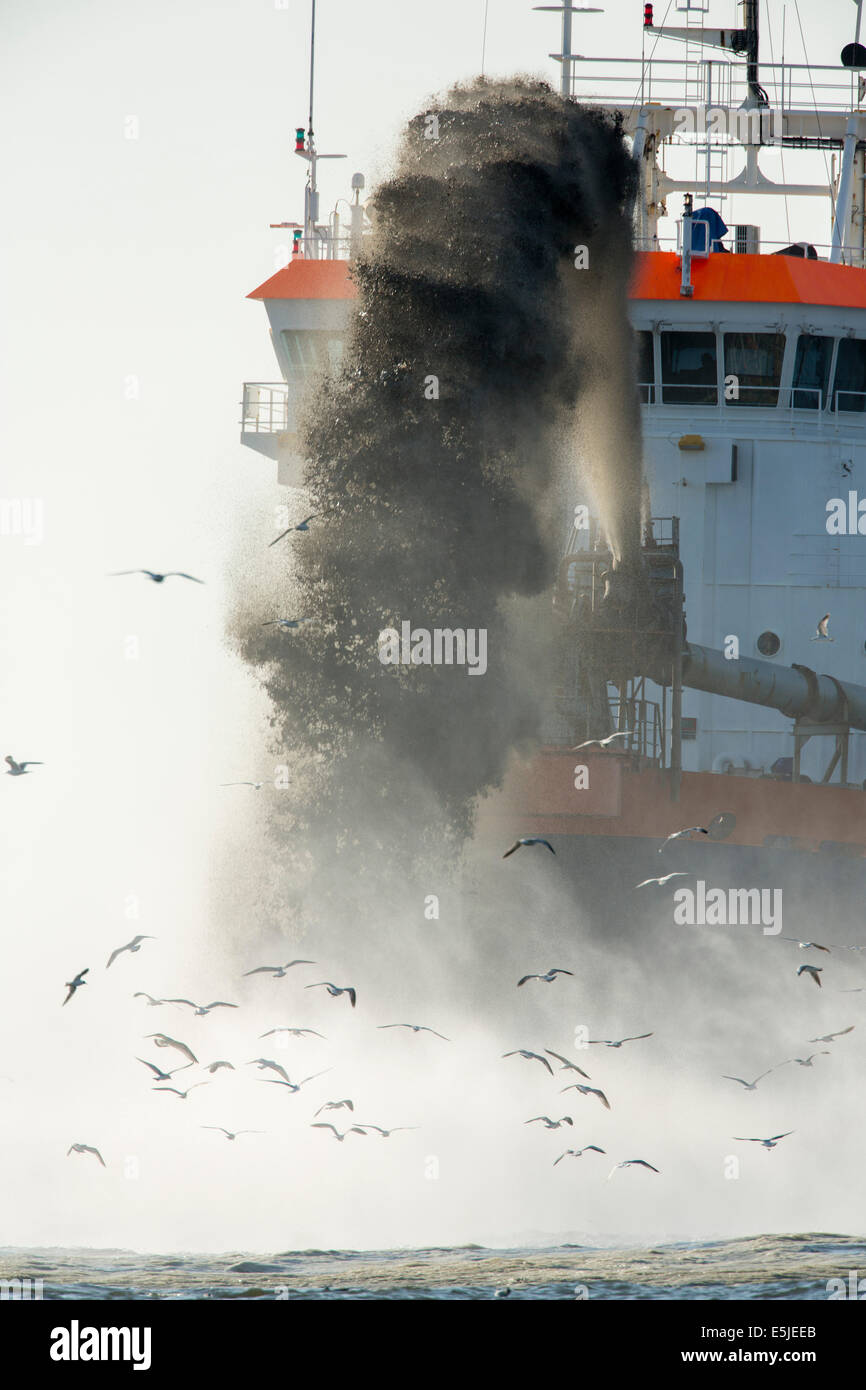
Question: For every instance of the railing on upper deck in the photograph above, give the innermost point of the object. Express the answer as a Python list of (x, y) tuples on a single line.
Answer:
[(793, 401), (635, 82)]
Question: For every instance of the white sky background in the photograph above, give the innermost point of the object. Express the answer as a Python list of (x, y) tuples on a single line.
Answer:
[(128, 259)]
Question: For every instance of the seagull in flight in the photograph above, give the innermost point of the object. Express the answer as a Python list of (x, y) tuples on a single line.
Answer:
[(528, 840), (588, 1091), (264, 1064), (158, 1073), (566, 1065), (602, 742), (829, 1037), (683, 835), (163, 1040), (278, 971), (158, 578), (85, 1149), (665, 878), (767, 1143), (231, 1134), (530, 1057), (578, 1153), (302, 526), (618, 1042), (813, 970), (335, 1105), (806, 1061), (293, 1032), (822, 631), (258, 785), (287, 624), (183, 1094), (416, 1028), (218, 1066), (291, 1085), (151, 1002), (631, 1163), (17, 769), (548, 1122), (335, 990), (751, 1085), (386, 1133), (73, 985), (805, 945), (548, 978), (200, 1010), (133, 946), (355, 1129)]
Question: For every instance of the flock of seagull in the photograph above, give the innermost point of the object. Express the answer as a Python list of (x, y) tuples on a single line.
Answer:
[(812, 971)]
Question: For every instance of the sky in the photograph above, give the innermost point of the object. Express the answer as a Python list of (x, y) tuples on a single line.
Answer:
[(150, 151)]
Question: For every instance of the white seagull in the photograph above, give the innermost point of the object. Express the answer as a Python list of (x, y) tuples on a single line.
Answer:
[(416, 1028), (767, 1143), (813, 970), (578, 1153), (616, 1042), (158, 578), (386, 1133), (133, 946), (264, 1064), (278, 971), (158, 1073), (17, 769), (355, 1129), (665, 878), (151, 1002), (750, 1085), (823, 629), (806, 945), (683, 835), (200, 1010), (302, 526), (631, 1163), (85, 1149), (335, 990), (829, 1037), (548, 978), (566, 1065), (163, 1040), (73, 985), (257, 785), (588, 1091), (528, 840), (601, 742), (806, 1061), (183, 1094), (530, 1057), (335, 1105), (293, 1032), (548, 1122), (231, 1134), (218, 1066), (294, 1087)]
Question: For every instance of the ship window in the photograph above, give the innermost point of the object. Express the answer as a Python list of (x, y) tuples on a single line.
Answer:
[(755, 361), (689, 369), (811, 372), (768, 643), (308, 349), (645, 367), (849, 386)]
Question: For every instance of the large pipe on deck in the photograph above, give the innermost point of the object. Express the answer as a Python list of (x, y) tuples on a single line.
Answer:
[(795, 691)]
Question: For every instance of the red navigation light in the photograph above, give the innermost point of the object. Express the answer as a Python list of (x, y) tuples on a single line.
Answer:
[(299, 134), (647, 16)]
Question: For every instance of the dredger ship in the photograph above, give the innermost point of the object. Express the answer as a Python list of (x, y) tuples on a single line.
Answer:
[(730, 654)]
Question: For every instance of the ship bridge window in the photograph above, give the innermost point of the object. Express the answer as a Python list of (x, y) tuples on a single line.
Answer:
[(755, 362), (645, 367), (306, 350), (849, 385), (811, 372), (689, 373)]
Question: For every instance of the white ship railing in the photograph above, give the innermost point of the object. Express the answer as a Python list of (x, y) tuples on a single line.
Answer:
[(687, 82), (265, 407)]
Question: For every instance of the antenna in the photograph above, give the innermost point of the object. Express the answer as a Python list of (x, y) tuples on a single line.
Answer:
[(566, 56), (307, 150)]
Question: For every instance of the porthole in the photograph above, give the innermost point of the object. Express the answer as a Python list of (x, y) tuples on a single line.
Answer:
[(769, 643)]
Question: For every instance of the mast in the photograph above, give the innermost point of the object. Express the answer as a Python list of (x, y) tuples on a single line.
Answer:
[(565, 56), (307, 150)]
